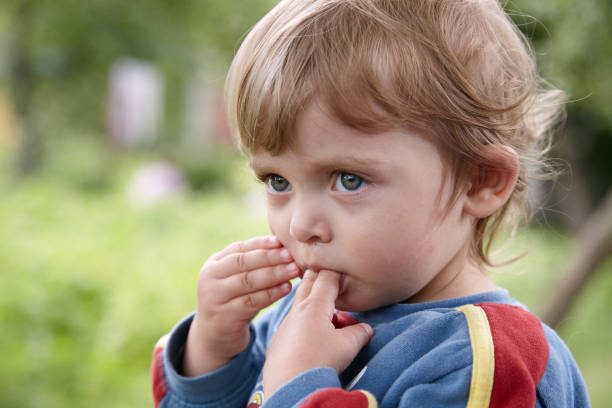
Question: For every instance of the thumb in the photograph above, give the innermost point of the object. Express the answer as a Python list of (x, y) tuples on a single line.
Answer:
[(356, 336)]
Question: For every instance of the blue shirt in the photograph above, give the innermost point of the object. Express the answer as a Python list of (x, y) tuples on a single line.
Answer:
[(480, 350)]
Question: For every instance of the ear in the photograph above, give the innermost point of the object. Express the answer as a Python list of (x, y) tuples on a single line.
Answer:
[(493, 183)]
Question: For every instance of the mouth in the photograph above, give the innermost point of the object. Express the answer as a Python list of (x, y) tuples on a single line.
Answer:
[(316, 268), (312, 267)]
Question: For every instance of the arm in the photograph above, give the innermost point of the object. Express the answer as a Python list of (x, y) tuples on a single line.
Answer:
[(233, 286)]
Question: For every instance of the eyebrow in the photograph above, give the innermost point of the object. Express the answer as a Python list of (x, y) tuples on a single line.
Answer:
[(343, 162), (349, 161)]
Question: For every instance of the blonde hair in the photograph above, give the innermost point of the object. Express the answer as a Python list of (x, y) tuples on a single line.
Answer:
[(459, 71)]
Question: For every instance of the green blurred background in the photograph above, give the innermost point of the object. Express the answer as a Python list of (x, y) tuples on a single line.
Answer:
[(97, 261)]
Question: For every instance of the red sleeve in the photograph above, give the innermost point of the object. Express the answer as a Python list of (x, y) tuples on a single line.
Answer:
[(158, 378), (338, 398), (520, 355)]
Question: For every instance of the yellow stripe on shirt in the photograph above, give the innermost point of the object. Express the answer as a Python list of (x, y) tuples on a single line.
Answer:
[(163, 341), (371, 399), (483, 366)]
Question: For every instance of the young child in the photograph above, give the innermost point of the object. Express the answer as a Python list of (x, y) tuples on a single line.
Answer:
[(393, 138)]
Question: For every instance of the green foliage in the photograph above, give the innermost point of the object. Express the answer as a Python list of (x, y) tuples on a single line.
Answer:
[(82, 163), (215, 169), (574, 52), (573, 44), (91, 281), (71, 45)]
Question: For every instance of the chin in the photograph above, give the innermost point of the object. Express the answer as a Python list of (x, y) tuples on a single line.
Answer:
[(347, 306)]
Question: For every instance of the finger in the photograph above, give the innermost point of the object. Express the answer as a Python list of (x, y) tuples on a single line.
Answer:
[(248, 261), (259, 279), (248, 305), (325, 289), (303, 291), (355, 337), (266, 242)]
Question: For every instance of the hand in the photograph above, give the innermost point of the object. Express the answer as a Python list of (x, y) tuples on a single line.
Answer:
[(233, 286), (307, 338)]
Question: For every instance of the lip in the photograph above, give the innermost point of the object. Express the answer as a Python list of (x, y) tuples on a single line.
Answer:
[(317, 268), (313, 267)]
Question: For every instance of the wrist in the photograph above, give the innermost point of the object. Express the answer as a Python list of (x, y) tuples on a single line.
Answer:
[(208, 349), (219, 383), (199, 357)]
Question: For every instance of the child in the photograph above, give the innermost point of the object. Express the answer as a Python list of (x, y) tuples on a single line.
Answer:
[(393, 138)]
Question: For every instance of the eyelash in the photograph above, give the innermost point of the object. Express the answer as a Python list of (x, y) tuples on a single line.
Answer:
[(264, 178), (363, 182)]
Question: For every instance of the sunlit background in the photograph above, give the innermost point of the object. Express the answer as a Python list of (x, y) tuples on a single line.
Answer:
[(118, 179)]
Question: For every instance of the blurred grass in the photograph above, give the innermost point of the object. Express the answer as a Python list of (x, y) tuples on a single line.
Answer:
[(91, 281)]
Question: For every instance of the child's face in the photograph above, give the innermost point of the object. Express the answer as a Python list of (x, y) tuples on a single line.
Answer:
[(370, 207)]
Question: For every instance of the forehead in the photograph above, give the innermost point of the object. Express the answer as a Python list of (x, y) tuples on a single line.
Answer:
[(316, 125), (316, 130), (322, 141)]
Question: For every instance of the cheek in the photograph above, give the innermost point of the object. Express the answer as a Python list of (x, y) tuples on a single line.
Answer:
[(277, 224), (397, 237), (377, 236)]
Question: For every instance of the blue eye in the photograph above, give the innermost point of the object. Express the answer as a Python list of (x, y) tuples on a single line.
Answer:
[(277, 183), (349, 182)]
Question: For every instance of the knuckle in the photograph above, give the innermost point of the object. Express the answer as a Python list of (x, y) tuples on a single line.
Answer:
[(303, 307), (246, 280), (204, 274), (235, 247), (209, 269), (240, 260), (250, 302), (271, 293), (206, 265)]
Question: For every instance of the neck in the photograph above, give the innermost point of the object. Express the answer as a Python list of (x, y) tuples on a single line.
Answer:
[(461, 277)]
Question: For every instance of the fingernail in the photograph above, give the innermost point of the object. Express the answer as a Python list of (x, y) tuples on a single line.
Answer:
[(284, 254), (292, 269), (272, 240)]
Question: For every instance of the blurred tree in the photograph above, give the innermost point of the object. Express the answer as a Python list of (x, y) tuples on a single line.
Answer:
[(572, 40), (574, 51), (594, 246), (20, 74), (61, 52)]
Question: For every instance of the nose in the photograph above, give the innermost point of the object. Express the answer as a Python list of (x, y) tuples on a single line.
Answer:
[(309, 222)]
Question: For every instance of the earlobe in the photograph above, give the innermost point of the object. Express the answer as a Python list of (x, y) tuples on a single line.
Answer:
[(492, 184)]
